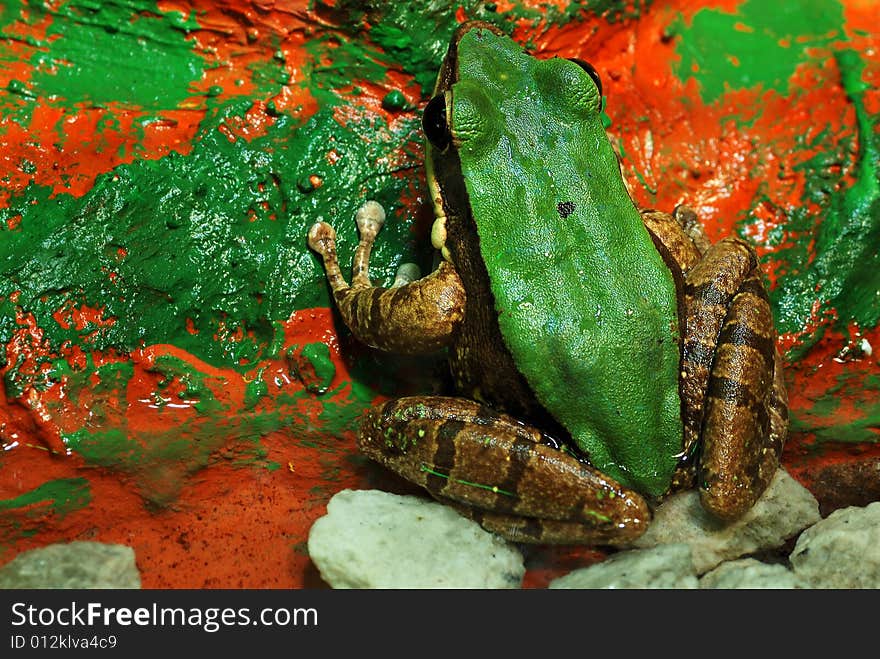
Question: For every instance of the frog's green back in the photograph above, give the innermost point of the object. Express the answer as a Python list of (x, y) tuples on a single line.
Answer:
[(586, 305)]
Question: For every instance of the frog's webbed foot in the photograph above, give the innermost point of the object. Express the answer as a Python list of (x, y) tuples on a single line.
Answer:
[(733, 388), (507, 476), (412, 316)]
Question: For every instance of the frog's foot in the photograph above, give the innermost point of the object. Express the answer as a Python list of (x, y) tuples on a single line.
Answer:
[(412, 316), (687, 219), (679, 237), (407, 273), (732, 384), (523, 486)]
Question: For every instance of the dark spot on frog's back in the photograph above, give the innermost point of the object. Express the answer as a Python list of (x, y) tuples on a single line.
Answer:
[(565, 208)]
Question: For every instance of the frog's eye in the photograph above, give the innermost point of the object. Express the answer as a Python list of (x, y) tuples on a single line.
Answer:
[(434, 123), (593, 73)]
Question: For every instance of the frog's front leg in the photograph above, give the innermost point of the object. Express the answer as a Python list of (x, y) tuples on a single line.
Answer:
[(413, 316), (730, 353), (507, 476)]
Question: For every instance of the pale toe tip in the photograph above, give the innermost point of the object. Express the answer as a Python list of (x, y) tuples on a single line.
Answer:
[(370, 217), (321, 237), (406, 273)]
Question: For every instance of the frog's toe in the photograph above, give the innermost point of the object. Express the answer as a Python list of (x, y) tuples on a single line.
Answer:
[(406, 273), (370, 217), (322, 238)]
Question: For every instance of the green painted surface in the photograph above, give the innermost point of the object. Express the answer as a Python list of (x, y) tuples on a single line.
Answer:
[(116, 51), (415, 35), (841, 267), (26, 514), (124, 53), (824, 419), (760, 45), (63, 496), (207, 249)]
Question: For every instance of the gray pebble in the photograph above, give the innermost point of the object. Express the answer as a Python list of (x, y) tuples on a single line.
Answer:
[(73, 565), (374, 539)]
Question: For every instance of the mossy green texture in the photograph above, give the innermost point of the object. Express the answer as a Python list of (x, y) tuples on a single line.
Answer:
[(26, 514), (842, 267), (760, 44)]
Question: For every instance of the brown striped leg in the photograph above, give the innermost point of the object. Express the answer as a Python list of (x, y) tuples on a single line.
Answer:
[(681, 242), (732, 389), (733, 396), (745, 424), (461, 451), (412, 316), (709, 288)]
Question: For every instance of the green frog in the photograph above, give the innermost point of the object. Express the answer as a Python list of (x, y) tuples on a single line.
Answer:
[(603, 356)]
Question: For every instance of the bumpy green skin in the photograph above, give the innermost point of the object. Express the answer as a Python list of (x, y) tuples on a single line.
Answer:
[(586, 304)]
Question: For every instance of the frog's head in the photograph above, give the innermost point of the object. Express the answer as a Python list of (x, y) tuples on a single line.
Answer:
[(509, 134), (487, 83)]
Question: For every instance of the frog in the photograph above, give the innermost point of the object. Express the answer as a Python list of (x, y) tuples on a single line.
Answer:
[(602, 356)]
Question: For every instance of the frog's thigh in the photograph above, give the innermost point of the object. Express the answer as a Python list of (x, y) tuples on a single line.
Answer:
[(745, 411), (463, 452)]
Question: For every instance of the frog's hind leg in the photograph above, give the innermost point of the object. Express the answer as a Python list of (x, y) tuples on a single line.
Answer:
[(733, 374), (681, 242), (413, 316), (529, 530), (732, 390), (679, 236), (525, 487)]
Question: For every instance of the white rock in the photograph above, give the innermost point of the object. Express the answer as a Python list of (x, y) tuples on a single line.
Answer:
[(666, 566), (373, 539), (782, 511), (841, 551), (73, 565), (751, 574)]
